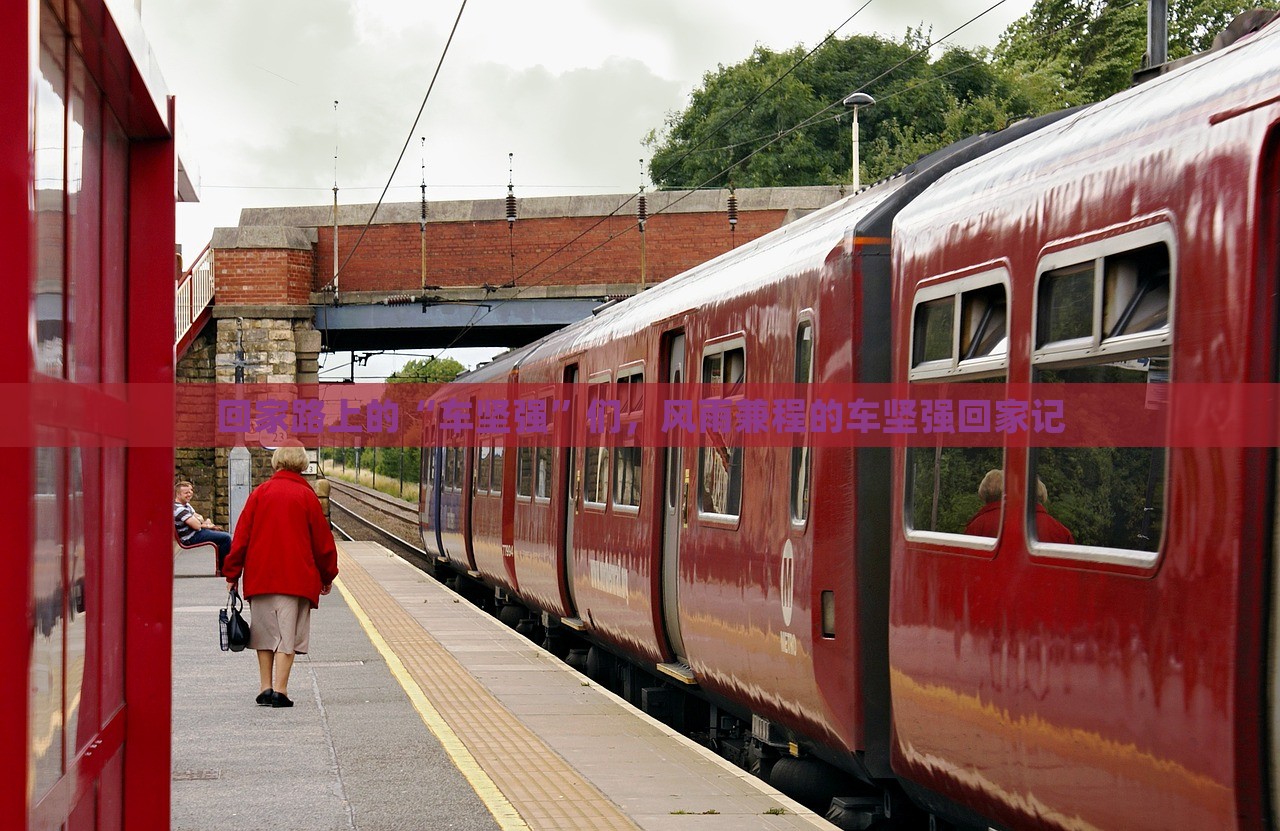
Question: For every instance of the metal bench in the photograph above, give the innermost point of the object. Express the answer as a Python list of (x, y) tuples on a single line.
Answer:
[(179, 545)]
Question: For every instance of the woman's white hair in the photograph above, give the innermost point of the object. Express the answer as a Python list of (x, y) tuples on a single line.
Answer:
[(992, 487), (290, 457)]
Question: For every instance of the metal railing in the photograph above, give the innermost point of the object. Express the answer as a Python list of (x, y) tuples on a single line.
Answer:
[(194, 294)]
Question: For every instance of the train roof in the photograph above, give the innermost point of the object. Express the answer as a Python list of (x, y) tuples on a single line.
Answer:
[(1148, 127)]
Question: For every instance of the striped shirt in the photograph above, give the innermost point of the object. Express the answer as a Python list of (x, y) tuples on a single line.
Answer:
[(180, 515)]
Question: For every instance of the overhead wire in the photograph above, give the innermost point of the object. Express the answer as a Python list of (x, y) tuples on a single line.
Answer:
[(461, 8), (688, 192)]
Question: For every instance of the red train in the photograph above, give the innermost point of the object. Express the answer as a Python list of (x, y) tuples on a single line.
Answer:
[(835, 603)]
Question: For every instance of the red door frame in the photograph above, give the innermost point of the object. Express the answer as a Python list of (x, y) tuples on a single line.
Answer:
[(142, 727)]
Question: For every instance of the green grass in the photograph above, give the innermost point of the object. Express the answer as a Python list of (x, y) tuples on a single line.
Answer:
[(387, 485)]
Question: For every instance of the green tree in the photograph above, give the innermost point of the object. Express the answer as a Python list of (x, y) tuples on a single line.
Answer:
[(1062, 53), (427, 371), (1080, 51)]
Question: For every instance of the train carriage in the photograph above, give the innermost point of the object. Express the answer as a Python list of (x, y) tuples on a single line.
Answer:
[(1119, 679), (702, 561)]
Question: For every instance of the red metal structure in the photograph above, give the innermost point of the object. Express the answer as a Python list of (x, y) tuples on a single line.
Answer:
[(837, 599), (87, 194)]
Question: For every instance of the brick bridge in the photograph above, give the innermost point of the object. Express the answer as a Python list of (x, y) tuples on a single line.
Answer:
[(465, 277)]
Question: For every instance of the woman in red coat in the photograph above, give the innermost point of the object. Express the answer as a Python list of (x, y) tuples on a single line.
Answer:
[(285, 550), (986, 523)]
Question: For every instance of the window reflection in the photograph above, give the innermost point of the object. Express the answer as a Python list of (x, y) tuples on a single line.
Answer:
[(47, 655)]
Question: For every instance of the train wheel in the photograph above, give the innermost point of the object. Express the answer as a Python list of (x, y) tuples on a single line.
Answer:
[(600, 666), (577, 659), (531, 629), (511, 614), (811, 782)]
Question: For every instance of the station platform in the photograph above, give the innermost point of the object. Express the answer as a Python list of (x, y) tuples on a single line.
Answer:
[(416, 710)]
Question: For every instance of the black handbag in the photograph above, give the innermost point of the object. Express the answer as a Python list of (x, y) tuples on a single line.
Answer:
[(233, 630)]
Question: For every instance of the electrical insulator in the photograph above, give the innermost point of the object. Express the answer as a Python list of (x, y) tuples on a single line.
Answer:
[(733, 209), (511, 206), (642, 213)]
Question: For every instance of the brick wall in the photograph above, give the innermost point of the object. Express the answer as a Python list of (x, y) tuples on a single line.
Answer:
[(196, 464), (470, 254), (260, 277)]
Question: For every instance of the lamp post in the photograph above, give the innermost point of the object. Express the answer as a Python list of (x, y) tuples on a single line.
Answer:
[(854, 101)]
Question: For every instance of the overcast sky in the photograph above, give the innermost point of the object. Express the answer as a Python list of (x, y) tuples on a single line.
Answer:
[(571, 87)]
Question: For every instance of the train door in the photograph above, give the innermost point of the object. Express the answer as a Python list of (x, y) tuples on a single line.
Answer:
[(1269, 277), (572, 483), (674, 508)]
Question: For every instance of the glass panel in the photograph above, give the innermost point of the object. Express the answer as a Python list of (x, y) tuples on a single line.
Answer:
[(933, 331), (524, 476), (626, 472), (983, 323), (1066, 305), (950, 491), (542, 480), (484, 462), (713, 370), (115, 214), (800, 455), (735, 371), (84, 156), (49, 599), (1111, 497), (112, 594), (50, 171), (81, 520), (499, 460), (720, 477), (596, 475), (1136, 291)]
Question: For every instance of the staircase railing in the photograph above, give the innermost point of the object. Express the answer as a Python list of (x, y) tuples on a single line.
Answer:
[(194, 294)]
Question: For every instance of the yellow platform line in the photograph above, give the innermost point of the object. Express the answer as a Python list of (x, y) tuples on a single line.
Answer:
[(507, 817), (497, 745)]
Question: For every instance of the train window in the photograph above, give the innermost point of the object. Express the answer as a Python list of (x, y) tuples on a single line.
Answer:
[(1066, 305), (542, 473), (1105, 504), (984, 325), (960, 329), (1107, 498), (720, 463), (1135, 293), (946, 492), (933, 331), (960, 334), (484, 466), (800, 456), (448, 468), (601, 410), (626, 455), (524, 470), (1105, 298), (495, 480)]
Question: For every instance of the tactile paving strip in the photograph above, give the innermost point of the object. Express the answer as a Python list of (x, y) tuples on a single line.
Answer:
[(548, 794)]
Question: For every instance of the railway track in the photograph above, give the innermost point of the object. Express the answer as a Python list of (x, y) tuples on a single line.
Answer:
[(376, 500), (361, 504)]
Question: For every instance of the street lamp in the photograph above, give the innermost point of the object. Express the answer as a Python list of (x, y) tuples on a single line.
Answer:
[(854, 101)]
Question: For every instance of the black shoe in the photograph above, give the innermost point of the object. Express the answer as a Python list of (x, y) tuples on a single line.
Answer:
[(264, 698), (280, 700)]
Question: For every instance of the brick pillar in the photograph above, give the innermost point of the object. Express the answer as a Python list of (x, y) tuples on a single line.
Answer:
[(196, 464)]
